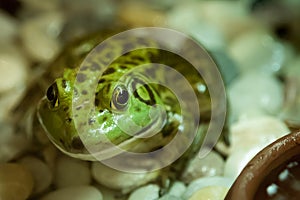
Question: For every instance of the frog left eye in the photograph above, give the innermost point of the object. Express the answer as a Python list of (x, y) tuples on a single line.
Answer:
[(52, 95), (120, 97)]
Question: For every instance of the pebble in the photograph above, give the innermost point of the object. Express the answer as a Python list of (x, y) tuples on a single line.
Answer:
[(291, 108), (71, 172), (211, 165), (16, 182), (230, 17), (75, 193), (177, 189), (9, 28), (41, 173), (187, 18), (259, 51), (238, 159), (13, 67), (211, 192), (216, 181), (259, 131), (138, 14), (39, 36), (119, 180), (11, 145), (149, 192), (248, 137), (254, 94)]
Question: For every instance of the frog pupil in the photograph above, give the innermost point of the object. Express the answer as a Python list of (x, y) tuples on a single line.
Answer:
[(52, 93), (120, 97)]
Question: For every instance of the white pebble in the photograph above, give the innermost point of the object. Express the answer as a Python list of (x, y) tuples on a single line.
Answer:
[(238, 159), (230, 17), (259, 51), (169, 197), (206, 182), (177, 189), (13, 67), (71, 172), (16, 182), (11, 145), (211, 192), (9, 28), (39, 36), (115, 179), (149, 192), (40, 171), (259, 131), (211, 165), (75, 193), (253, 94)]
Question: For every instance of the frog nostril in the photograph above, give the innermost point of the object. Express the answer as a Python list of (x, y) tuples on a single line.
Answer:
[(52, 94)]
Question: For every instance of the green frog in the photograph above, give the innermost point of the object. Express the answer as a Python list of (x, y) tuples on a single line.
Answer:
[(127, 105)]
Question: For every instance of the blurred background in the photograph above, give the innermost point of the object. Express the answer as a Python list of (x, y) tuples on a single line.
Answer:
[(255, 44)]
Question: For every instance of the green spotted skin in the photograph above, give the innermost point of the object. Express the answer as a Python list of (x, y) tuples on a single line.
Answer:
[(120, 92)]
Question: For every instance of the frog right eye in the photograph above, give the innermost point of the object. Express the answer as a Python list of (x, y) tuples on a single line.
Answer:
[(52, 95)]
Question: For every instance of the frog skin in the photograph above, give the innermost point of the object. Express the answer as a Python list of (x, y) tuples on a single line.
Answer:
[(131, 98)]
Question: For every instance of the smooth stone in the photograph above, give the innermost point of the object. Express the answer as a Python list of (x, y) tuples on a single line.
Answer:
[(254, 94), (186, 18), (75, 193), (16, 182), (211, 165), (259, 131), (41, 173), (9, 28), (238, 159), (291, 109), (211, 192), (119, 180), (226, 65), (148, 192), (201, 183), (13, 67), (39, 36), (71, 172), (230, 17), (11, 145), (259, 51), (170, 197), (138, 14), (35, 6), (177, 189)]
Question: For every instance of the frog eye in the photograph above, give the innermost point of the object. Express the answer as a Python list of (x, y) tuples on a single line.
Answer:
[(52, 95), (120, 97)]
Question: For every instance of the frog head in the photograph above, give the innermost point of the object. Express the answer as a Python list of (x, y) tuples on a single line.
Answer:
[(127, 110)]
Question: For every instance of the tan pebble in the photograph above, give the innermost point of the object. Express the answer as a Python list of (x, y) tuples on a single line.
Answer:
[(115, 179), (13, 69), (41, 173), (138, 14), (39, 36), (148, 192), (9, 28), (211, 192), (11, 145), (75, 193), (71, 172), (16, 182), (211, 165)]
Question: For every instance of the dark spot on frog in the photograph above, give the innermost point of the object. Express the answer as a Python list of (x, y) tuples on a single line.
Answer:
[(64, 83), (137, 109), (101, 80), (69, 120), (81, 77), (109, 71), (84, 68), (104, 118), (95, 67), (66, 109), (84, 92), (91, 121), (78, 107), (77, 143)]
